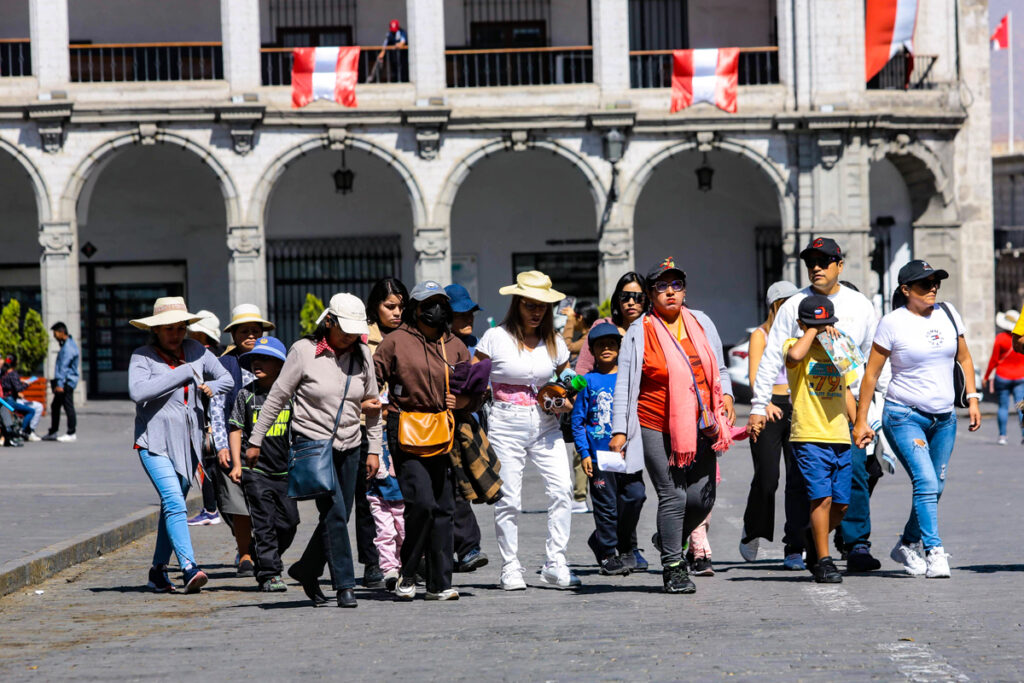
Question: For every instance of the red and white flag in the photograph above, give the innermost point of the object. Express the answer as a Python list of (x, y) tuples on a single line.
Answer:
[(888, 28), (1001, 36), (705, 76), (324, 73)]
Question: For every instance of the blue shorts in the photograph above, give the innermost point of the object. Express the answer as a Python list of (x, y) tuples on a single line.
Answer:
[(826, 469)]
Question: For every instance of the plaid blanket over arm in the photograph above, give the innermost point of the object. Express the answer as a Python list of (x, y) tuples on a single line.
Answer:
[(474, 461)]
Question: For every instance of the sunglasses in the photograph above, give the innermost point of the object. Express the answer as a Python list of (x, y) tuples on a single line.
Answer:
[(554, 402), (533, 306), (661, 286), (928, 284), (638, 297), (819, 261)]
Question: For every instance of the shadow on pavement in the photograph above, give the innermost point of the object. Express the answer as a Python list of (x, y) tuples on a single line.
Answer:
[(991, 568)]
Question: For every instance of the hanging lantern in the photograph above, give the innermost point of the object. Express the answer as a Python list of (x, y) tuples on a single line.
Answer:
[(704, 174)]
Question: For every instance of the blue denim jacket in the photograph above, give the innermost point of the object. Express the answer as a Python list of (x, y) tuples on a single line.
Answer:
[(66, 372)]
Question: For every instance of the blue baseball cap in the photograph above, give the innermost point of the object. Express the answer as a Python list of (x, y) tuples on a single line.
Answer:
[(265, 346), (461, 301), (602, 330)]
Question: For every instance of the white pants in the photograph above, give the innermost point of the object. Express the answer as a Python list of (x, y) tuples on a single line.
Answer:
[(518, 433)]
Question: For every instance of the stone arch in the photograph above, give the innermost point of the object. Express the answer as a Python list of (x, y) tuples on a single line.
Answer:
[(932, 197), (261, 195), (99, 156), (42, 193), (450, 188)]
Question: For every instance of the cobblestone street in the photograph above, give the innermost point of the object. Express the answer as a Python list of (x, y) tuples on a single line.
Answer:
[(97, 621)]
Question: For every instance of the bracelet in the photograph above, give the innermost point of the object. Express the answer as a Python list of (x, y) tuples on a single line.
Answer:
[(976, 394)]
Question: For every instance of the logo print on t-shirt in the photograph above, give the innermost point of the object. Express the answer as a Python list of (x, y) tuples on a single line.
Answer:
[(934, 338)]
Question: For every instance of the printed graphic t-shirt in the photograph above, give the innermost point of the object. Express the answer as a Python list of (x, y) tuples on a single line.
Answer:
[(245, 413), (818, 393)]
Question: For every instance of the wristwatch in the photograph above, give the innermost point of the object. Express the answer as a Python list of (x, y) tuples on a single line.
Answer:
[(976, 394)]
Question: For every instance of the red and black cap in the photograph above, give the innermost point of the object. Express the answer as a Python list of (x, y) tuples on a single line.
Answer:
[(665, 266), (823, 245), (919, 270), (816, 310)]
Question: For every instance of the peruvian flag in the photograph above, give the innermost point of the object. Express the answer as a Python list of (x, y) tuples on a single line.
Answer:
[(705, 76), (324, 73), (1001, 37), (888, 27)]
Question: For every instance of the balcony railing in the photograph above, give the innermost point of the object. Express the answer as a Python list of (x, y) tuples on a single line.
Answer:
[(113, 62), (519, 66), (653, 68), (15, 57), (376, 64), (904, 72)]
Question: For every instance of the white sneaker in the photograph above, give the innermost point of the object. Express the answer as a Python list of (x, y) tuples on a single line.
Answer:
[(579, 507), (32, 436), (908, 556), (406, 589), (938, 565), (446, 594), (512, 577), (68, 438), (749, 549), (1001, 441), (793, 561), (559, 576)]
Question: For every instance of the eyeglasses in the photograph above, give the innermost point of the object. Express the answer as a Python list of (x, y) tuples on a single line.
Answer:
[(638, 297), (928, 284), (533, 306), (661, 286), (819, 261), (554, 402)]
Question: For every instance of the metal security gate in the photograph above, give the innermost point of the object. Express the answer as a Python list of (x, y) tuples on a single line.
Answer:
[(324, 267)]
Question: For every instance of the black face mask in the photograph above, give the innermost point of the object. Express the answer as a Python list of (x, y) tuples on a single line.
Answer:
[(432, 315)]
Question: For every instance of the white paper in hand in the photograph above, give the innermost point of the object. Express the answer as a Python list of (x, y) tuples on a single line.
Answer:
[(610, 461)]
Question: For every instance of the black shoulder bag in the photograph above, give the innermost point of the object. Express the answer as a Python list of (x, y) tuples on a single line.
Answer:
[(959, 377)]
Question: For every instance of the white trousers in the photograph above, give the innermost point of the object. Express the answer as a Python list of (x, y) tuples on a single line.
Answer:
[(518, 433)]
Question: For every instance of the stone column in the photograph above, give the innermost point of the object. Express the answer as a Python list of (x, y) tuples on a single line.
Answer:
[(58, 270), (425, 24), (610, 27), (616, 247), (240, 36), (433, 254), (247, 269), (48, 31)]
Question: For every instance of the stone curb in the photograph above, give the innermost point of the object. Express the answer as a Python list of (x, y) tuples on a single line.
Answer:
[(49, 561)]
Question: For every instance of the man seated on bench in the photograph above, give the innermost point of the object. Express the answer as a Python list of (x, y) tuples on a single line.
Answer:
[(12, 386)]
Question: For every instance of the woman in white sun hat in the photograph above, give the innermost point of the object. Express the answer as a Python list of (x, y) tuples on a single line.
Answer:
[(206, 331), (167, 379), (525, 354), (1005, 373)]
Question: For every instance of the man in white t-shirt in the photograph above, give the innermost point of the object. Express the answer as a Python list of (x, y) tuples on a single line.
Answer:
[(857, 318)]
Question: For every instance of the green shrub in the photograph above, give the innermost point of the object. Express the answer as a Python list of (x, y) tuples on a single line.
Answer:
[(605, 309), (311, 310), (34, 343), (10, 328)]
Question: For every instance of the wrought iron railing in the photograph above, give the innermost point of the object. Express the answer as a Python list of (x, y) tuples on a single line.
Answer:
[(519, 66), (376, 65), (653, 68), (15, 57), (113, 62), (906, 72)]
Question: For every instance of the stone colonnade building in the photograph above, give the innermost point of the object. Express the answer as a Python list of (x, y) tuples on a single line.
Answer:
[(150, 148)]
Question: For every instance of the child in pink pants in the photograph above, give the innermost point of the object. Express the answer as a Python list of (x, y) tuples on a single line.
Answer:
[(387, 508)]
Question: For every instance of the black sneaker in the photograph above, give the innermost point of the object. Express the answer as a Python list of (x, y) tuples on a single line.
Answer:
[(825, 571), (159, 581), (701, 566), (860, 559), (613, 566), (677, 579), (373, 577), (811, 558), (472, 561), (245, 568), (51, 436)]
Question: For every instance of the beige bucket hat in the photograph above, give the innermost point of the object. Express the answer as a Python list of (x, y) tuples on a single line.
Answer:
[(1007, 320), (533, 284), (247, 313), (167, 310), (208, 324)]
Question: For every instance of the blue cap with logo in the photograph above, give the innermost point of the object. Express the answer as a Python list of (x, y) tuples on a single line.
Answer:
[(265, 346), (461, 301)]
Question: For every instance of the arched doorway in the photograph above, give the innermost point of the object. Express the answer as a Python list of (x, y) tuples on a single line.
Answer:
[(151, 223), (728, 239), (892, 228), (528, 210), (19, 255), (321, 241)]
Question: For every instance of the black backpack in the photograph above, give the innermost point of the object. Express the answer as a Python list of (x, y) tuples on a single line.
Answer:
[(10, 428)]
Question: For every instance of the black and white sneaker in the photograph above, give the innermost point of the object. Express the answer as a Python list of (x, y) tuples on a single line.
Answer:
[(613, 566), (701, 566)]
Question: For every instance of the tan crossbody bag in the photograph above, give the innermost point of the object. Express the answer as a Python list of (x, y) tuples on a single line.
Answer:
[(428, 434)]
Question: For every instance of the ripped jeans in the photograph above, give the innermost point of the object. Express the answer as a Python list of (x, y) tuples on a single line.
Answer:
[(923, 443)]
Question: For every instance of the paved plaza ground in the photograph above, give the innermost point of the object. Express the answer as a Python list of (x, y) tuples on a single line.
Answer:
[(750, 621)]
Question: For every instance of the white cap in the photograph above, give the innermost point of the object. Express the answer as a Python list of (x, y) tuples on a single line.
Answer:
[(350, 312), (783, 289)]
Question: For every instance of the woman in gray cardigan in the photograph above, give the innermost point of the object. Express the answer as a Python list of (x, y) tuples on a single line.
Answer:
[(168, 380)]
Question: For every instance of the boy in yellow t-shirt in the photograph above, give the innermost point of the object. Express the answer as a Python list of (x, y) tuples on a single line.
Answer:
[(823, 408)]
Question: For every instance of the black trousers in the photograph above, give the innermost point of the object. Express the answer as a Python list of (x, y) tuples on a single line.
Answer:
[(329, 543), (63, 400), (465, 527), (617, 499), (366, 529), (275, 518), (759, 516)]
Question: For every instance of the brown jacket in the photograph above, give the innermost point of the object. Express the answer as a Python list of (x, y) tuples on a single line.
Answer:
[(414, 370)]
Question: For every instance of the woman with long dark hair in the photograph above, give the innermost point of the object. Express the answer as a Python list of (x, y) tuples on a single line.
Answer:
[(628, 302), (323, 371), (525, 354)]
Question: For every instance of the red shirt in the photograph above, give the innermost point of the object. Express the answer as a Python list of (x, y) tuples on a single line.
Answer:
[(1006, 362), (652, 405)]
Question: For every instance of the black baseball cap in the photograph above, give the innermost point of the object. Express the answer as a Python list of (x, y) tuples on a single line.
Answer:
[(919, 270), (663, 267), (823, 245), (817, 310)]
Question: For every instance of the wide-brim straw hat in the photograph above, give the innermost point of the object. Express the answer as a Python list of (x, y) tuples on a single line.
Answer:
[(248, 313), (208, 324), (168, 310), (533, 284), (1007, 320)]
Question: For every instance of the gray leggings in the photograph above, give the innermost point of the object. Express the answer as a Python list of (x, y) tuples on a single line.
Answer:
[(685, 495)]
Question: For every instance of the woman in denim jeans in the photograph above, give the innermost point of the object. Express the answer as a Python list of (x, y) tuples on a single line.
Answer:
[(167, 380), (1005, 373), (921, 339)]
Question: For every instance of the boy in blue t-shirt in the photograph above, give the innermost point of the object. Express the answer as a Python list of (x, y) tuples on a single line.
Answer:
[(617, 498)]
